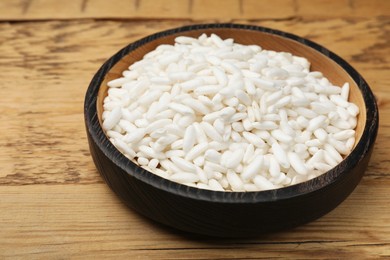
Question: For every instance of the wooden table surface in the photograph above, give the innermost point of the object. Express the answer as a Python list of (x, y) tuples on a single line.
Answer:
[(54, 204)]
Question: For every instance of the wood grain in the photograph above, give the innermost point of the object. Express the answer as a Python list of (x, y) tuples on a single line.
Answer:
[(76, 221), (189, 9), (53, 204)]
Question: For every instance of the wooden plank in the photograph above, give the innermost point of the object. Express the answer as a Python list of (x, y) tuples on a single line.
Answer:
[(189, 9), (53, 203), (51, 64), (279, 9), (78, 221), (342, 8), (204, 9)]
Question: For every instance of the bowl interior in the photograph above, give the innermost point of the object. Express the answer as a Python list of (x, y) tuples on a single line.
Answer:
[(319, 62)]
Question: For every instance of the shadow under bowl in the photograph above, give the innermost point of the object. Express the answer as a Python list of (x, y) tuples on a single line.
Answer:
[(231, 214)]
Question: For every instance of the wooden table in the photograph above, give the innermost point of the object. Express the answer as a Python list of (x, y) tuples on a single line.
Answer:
[(54, 204)]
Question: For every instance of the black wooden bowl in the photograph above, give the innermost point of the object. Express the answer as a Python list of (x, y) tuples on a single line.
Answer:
[(231, 214)]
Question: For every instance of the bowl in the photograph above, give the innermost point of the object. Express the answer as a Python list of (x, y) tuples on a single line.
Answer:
[(231, 214)]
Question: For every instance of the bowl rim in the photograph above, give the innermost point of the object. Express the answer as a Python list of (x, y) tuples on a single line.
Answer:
[(112, 153)]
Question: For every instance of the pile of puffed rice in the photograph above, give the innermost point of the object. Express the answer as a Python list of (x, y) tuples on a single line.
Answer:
[(215, 114)]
